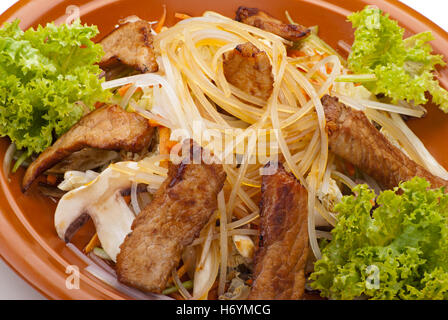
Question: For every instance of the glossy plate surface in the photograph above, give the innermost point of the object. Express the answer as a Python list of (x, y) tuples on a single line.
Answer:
[(28, 241)]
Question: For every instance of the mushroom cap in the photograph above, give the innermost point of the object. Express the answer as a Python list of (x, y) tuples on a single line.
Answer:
[(102, 201)]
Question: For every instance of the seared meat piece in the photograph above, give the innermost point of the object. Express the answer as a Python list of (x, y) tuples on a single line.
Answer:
[(354, 138), (130, 44), (250, 70), (180, 209), (109, 127), (260, 19), (283, 248)]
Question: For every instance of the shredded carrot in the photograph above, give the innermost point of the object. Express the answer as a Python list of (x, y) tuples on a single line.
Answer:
[(304, 93), (249, 282), (181, 16), (99, 104), (328, 68), (153, 123), (122, 91), (165, 144), (161, 22), (180, 273), (322, 55), (171, 144), (314, 81), (164, 137), (323, 76), (127, 199), (294, 53), (52, 179), (94, 242)]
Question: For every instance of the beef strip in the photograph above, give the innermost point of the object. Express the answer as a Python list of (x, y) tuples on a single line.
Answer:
[(130, 44), (180, 209), (260, 19), (109, 128), (282, 254), (249, 69), (354, 138)]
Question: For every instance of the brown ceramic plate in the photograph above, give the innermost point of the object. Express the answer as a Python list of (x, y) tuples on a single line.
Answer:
[(28, 241)]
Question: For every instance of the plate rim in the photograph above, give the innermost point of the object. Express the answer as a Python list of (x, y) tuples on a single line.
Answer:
[(40, 281)]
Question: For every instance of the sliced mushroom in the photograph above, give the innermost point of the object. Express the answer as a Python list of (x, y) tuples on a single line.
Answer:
[(102, 201)]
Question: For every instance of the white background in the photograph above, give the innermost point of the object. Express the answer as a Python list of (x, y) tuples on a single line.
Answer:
[(13, 287)]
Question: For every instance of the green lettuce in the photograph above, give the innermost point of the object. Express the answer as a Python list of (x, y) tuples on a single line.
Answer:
[(403, 67), (395, 250), (49, 78)]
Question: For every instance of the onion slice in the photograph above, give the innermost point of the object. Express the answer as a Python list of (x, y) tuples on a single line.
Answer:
[(134, 199)]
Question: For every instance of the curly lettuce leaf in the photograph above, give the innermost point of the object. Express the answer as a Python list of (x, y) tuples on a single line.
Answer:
[(396, 250), (49, 78), (403, 67)]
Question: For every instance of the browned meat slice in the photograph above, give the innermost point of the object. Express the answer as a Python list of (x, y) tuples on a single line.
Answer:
[(280, 260), (178, 212), (130, 44), (260, 19), (354, 138), (250, 70), (109, 128)]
